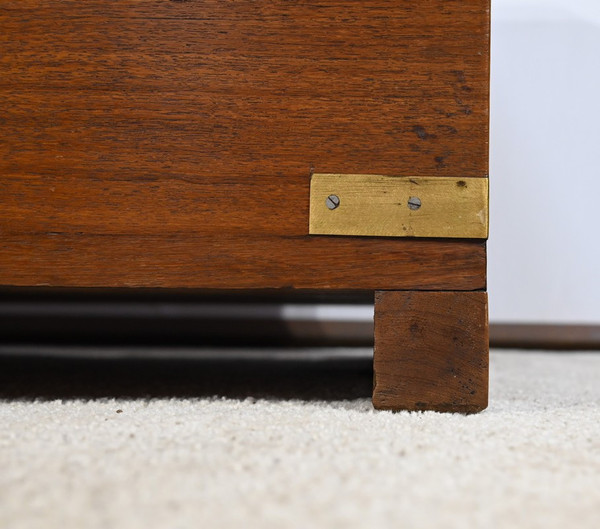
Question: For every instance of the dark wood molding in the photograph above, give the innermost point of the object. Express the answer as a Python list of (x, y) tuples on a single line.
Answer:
[(547, 336)]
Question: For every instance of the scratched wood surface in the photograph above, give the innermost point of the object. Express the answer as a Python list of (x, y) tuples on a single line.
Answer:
[(171, 143), (431, 351)]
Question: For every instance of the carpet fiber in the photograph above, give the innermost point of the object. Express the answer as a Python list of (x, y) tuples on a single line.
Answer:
[(266, 440)]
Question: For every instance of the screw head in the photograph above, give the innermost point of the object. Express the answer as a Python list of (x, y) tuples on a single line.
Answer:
[(414, 203), (333, 201)]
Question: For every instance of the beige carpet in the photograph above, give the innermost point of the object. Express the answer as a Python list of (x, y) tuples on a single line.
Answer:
[(290, 441)]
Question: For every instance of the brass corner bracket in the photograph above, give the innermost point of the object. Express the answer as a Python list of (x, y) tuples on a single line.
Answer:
[(395, 206)]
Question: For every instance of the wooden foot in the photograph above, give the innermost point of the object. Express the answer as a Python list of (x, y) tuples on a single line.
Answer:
[(431, 351)]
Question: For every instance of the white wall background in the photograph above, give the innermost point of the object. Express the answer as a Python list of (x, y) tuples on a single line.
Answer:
[(544, 249)]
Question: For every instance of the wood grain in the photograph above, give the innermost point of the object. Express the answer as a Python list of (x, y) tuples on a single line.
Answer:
[(163, 143), (182, 261), (431, 351)]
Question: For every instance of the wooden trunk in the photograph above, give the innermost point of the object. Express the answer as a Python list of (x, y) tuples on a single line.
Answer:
[(171, 144)]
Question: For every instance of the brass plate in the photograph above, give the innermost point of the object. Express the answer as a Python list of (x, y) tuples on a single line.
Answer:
[(376, 205)]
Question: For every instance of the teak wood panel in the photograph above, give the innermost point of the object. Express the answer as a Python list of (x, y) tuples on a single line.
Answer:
[(168, 143)]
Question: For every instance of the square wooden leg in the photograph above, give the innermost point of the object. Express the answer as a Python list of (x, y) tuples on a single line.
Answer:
[(431, 351)]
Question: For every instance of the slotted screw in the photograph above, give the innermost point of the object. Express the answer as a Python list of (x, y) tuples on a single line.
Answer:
[(333, 201), (414, 202)]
